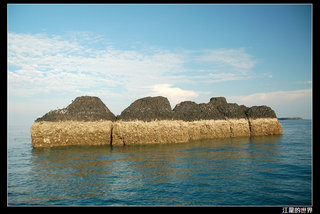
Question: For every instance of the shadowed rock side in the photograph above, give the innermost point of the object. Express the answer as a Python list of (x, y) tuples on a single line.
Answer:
[(85, 108)]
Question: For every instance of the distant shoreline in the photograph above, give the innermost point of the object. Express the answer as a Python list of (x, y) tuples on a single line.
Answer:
[(290, 118)]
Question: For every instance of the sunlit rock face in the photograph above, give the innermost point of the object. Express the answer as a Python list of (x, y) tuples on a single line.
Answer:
[(176, 131), (64, 133), (265, 126)]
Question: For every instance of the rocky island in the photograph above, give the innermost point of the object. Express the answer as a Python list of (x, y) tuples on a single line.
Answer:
[(88, 121)]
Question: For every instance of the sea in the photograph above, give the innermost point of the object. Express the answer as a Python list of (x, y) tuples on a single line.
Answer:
[(243, 171)]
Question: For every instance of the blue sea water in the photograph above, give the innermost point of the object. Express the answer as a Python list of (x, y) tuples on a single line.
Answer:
[(256, 171)]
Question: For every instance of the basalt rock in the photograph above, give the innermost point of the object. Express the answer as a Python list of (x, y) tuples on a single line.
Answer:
[(85, 108), (216, 109), (233, 110), (191, 111), (158, 108), (218, 100), (88, 121), (260, 112), (147, 109)]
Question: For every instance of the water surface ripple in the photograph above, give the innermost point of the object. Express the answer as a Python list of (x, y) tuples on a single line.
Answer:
[(262, 171)]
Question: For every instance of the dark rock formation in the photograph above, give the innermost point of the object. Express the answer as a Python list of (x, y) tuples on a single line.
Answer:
[(228, 110), (260, 112), (217, 109), (158, 108), (218, 100), (88, 108), (147, 109), (83, 108), (186, 110), (190, 111), (233, 110)]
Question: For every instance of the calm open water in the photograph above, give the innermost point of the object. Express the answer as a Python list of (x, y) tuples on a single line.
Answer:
[(261, 171)]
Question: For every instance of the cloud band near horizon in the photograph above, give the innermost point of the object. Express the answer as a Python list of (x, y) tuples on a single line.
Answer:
[(43, 65)]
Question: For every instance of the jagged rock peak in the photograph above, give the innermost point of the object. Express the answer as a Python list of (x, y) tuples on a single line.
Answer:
[(218, 100), (84, 108)]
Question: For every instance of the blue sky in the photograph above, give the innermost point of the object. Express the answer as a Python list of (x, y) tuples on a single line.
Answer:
[(250, 54)]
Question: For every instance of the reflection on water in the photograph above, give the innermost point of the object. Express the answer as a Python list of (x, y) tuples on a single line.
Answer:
[(270, 170), (169, 174), (67, 172)]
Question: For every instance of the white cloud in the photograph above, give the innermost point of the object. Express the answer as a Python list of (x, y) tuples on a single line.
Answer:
[(75, 65), (84, 64), (285, 103), (220, 65), (236, 58), (42, 64), (255, 99), (48, 64), (175, 95)]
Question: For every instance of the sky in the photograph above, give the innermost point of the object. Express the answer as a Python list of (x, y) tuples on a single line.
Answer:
[(251, 54)]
